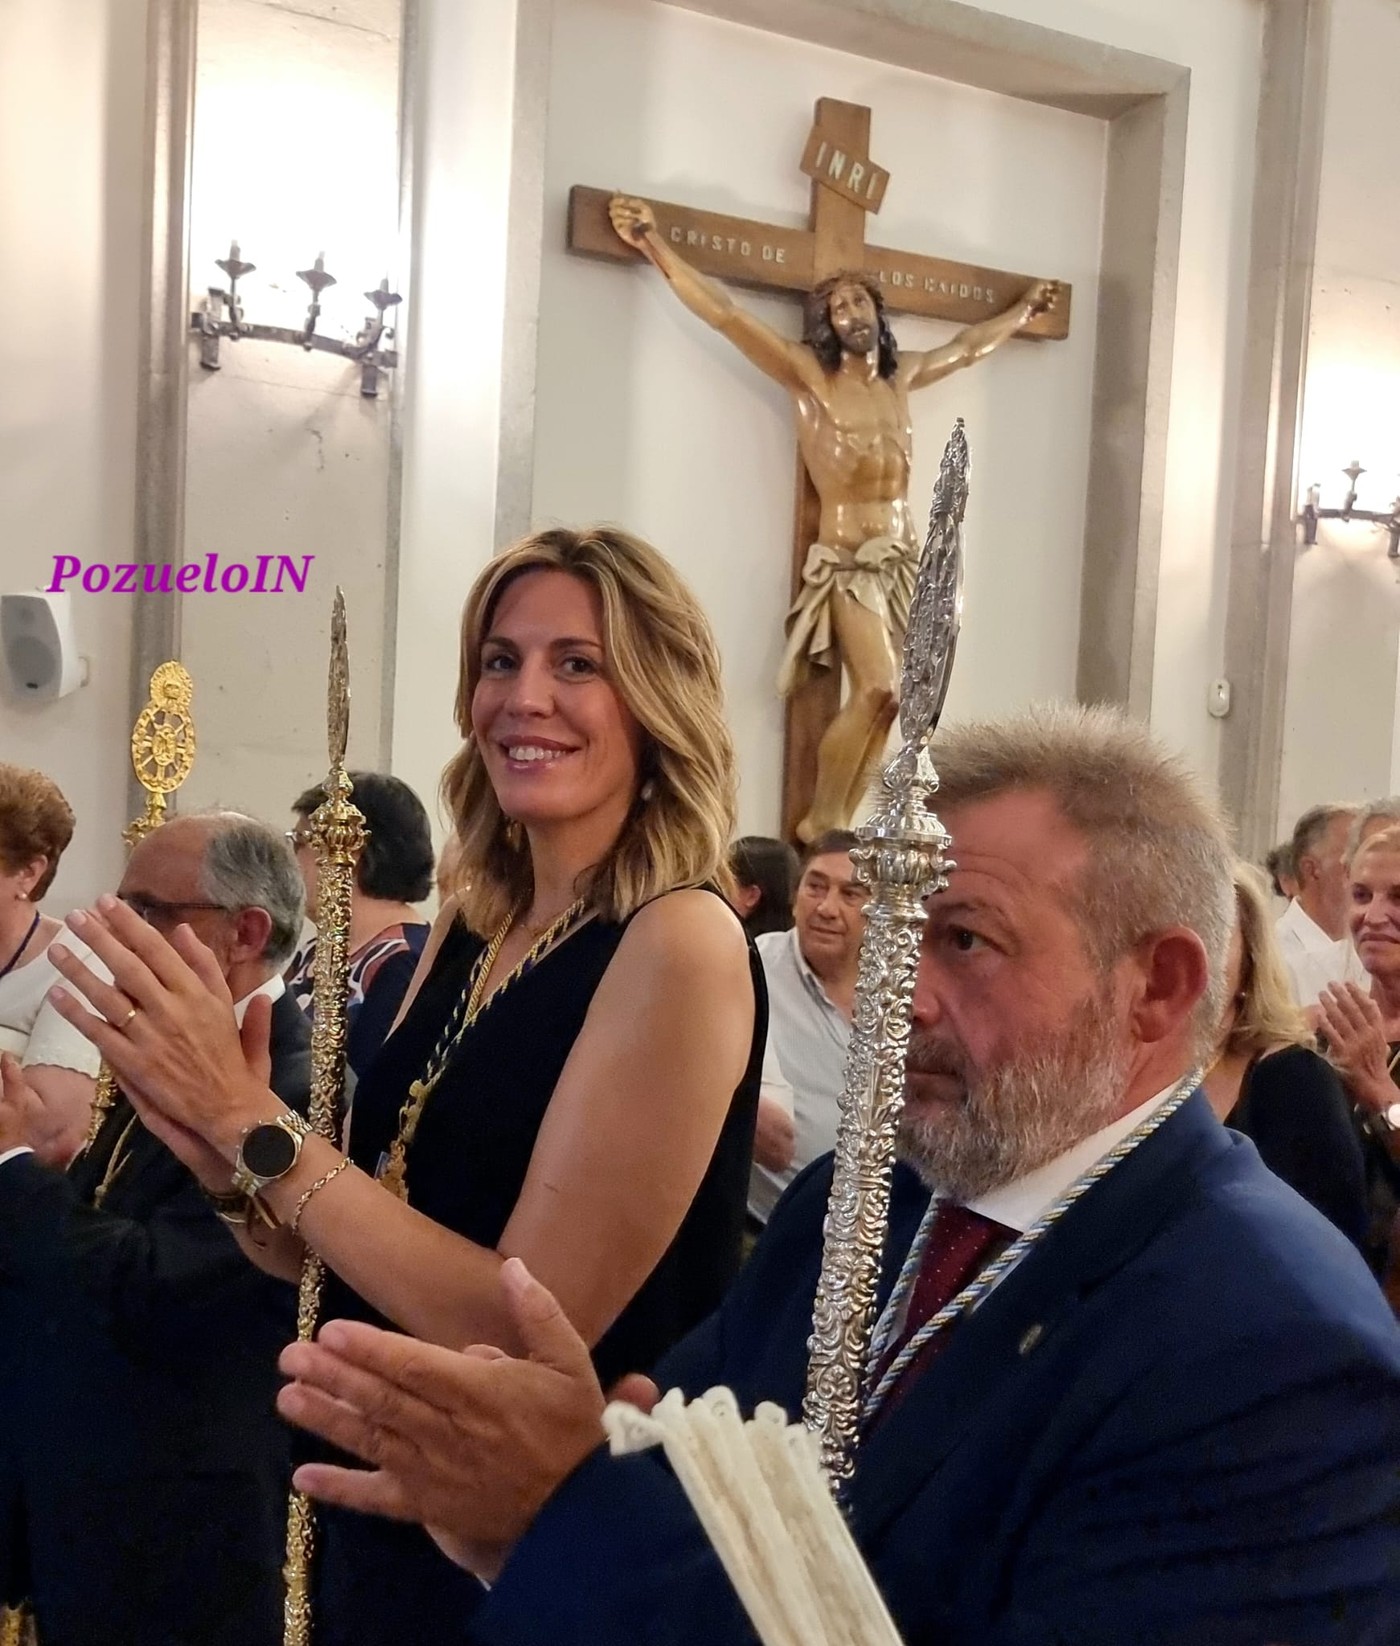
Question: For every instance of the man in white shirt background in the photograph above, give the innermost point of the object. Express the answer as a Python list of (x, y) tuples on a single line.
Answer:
[(1312, 929), (811, 974)]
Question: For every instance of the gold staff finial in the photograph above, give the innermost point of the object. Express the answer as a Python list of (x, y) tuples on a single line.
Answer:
[(337, 830), (162, 754), (162, 745)]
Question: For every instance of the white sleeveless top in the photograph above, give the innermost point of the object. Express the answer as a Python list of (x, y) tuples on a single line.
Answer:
[(29, 1025)]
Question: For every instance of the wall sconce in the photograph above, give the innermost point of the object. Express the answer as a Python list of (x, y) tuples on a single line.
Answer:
[(212, 324), (1312, 513)]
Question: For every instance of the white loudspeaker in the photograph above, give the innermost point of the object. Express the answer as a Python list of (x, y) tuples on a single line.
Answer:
[(40, 646)]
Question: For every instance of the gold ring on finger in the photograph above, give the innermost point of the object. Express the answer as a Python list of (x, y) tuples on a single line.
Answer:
[(127, 1019)]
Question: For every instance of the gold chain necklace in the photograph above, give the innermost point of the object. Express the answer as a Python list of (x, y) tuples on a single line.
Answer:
[(393, 1172)]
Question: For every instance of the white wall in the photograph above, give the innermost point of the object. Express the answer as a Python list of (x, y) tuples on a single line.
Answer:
[(1341, 731), (647, 418), (1219, 41), (295, 154), (71, 110)]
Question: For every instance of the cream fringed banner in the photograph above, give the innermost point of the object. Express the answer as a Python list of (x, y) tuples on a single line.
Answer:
[(758, 1489)]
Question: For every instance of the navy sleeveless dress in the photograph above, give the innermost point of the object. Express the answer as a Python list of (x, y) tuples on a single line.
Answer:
[(379, 1582)]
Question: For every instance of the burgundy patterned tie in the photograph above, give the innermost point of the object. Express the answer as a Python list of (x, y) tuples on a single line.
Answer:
[(960, 1243)]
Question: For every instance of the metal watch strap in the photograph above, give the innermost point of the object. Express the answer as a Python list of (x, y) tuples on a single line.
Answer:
[(248, 1183), (230, 1208)]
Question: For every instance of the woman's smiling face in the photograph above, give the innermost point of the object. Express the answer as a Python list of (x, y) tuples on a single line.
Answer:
[(558, 741)]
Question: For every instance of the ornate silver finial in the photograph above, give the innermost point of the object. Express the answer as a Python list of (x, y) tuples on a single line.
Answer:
[(903, 859), (935, 614)]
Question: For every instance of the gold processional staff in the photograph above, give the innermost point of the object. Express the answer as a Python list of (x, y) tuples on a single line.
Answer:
[(337, 831)]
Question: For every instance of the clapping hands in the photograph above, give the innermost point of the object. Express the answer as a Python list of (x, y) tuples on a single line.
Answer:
[(1356, 1044), (471, 1444)]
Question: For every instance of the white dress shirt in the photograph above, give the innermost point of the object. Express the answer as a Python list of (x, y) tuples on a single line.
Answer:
[(810, 1034), (1313, 958), (1352, 971), (1020, 1204)]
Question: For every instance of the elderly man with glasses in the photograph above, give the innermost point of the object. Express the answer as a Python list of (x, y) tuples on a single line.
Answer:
[(143, 1474)]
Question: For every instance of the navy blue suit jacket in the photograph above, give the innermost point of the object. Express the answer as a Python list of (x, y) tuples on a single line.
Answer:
[(1176, 1423)]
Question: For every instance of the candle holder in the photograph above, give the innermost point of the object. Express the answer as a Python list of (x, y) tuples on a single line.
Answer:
[(1313, 512), (221, 317)]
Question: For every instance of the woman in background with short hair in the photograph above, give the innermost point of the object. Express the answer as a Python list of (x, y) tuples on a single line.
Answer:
[(36, 825), (387, 934), (766, 872)]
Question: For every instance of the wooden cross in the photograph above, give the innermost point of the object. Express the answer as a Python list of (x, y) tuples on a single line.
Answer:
[(768, 257)]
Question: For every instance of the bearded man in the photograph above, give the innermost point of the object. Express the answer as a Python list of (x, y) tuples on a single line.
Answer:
[(1174, 1422)]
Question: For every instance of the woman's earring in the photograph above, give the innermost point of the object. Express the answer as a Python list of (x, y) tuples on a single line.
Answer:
[(648, 792), (515, 835)]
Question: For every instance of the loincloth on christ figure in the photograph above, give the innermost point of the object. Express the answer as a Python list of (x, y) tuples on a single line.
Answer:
[(879, 574)]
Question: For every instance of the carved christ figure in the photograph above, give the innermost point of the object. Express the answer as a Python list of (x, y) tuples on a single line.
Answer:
[(850, 392)]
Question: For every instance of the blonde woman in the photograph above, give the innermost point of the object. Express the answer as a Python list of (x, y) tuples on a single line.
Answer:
[(575, 1075), (1269, 1082)]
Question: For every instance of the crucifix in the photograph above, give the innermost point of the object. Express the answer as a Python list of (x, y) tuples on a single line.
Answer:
[(855, 546)]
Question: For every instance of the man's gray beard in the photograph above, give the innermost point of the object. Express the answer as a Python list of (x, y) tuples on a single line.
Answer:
[(1022, 1114)]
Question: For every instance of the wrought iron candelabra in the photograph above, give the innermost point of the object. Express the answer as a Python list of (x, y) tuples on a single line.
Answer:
[(222, 317), (1312, 512)]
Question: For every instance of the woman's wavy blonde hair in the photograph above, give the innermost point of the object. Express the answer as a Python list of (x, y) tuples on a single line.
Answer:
[(1266, 1017), (660, 655)]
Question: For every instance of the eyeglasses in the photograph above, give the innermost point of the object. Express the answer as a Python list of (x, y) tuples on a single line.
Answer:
[(152, 909), (301, 836)]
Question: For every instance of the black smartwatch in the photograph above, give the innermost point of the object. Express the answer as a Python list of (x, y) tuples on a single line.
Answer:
[(268, 1152)]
